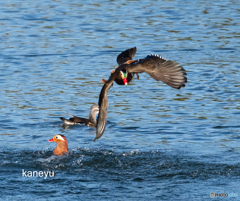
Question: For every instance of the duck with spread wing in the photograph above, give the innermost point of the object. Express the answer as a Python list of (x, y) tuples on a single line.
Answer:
[(169, 72)]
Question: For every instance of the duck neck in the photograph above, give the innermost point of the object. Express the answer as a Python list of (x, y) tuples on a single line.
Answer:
[(61, 149)]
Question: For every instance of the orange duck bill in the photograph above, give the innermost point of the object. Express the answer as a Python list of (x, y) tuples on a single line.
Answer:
[(62, 145)]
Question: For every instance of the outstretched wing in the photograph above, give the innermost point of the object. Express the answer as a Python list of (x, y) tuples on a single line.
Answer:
[(169, 72), (103, 105), (126, 55)]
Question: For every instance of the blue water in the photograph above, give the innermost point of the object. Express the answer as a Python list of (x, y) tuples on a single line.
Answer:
[(160, 143)]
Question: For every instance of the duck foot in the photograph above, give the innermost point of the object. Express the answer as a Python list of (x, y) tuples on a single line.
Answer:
[(137, 76), (104, 81)]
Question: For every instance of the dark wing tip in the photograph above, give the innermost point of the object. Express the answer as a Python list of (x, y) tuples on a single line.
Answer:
[(169, 72), (126, 55), (101, 120), (176, 75), (101, 125), (62, 118), (185, 78)]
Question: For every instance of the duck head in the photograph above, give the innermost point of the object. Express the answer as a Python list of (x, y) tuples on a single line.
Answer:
[(123, 74), (62, 145)]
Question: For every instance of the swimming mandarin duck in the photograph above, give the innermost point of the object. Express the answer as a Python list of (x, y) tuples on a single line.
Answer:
[(169, 72), (91, 122), (62, 145)]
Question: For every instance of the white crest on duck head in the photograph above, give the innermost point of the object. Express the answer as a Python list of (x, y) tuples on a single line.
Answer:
[(59, 137)]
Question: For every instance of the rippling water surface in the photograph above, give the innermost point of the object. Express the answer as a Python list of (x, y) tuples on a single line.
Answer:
[(160, 143)]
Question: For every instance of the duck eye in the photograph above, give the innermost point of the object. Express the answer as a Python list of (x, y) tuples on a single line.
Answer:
[(57, 137)]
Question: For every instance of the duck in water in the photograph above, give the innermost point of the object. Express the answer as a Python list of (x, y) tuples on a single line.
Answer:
[(74, 120), (62, 145)]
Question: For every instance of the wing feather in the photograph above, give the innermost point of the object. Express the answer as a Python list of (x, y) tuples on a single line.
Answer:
[(126, 55), (169, 72), (103, 105)]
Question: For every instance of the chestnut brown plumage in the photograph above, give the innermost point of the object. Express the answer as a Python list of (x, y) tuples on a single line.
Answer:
[(62, 145)]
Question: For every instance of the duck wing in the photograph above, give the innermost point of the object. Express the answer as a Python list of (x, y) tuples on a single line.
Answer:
[(80, 120), (75, 120), (169, 72), (126, 55), (103, 105), (84, 121)]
